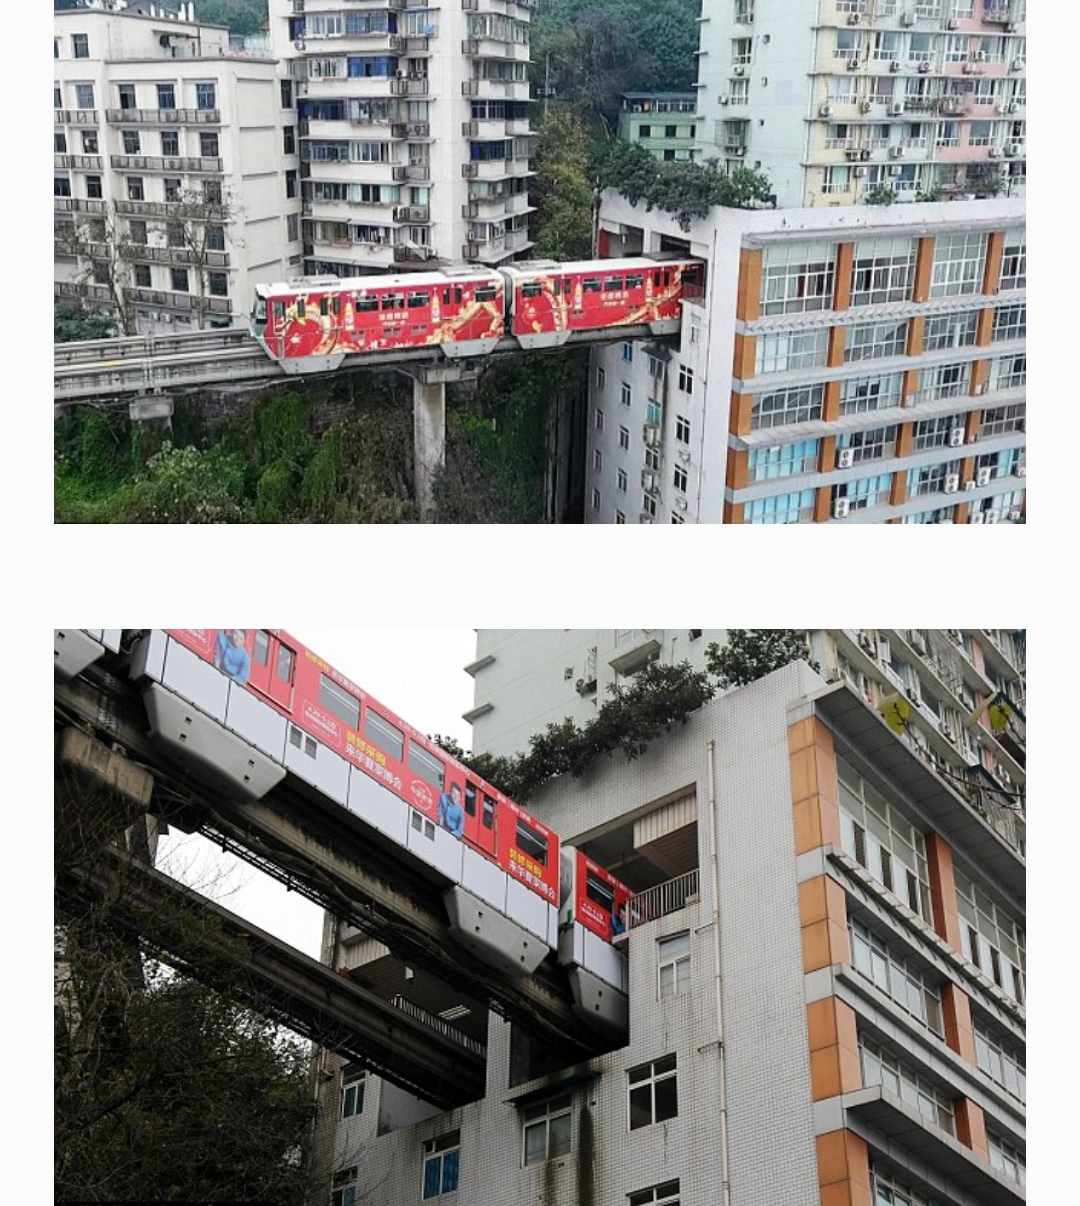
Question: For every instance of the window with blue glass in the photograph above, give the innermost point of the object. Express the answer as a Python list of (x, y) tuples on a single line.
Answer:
[(866, 492), (441, 1165), (628, 352), (781, 508), (783, 460), (653, 411), (371, 65)]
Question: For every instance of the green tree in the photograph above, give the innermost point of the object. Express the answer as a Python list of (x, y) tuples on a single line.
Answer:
[(184, 485), (751, 653), (241, 16), (880, 194), (72, 321), (563, 190)]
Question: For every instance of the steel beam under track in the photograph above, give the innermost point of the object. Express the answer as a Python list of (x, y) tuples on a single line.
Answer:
[(223, 950)]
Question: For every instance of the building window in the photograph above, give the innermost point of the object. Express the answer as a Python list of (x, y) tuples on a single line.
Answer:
[(205, 96), (934, 433), (211, 192), (208, 145), (170, 142), (342, 1192), (865, 493), (286, 94), (645, 131), (93, 187), (624, 437), (797, 507), (58, 98), (142, 276), (214, 239), (999, 419), (130, 140), (900, 981), (1001, 1062), (868, 445), (648, 505), (546, 1130), (59, 143), (597, 460), (1008, 372), (600, 376), (882, 270), (795, 405), (1010, 322), (135, 188), (1014, 261), (80, 46), (881, 1067), (620, 517), (658, 1195), (869, 341), (172, 188), (292, 227), (888, 1191), (875, 393), (61, 186), (652, 1092), (682, 429), (219, 284), (126, 95), (596, 500), (782, 460), (1006, 1158), (621, 480), (790, 350), (290, 183), (673, 965), (627, 352), (598, 419), (679, 478), (84, 96), (990, 938), (958, 264), (352, 1092), (166, 96), (179, 279), (441, 1165), (624, 394), (686, 379), (288, 136), (797, 277), (950, 331), (174, 234), (89, 142)]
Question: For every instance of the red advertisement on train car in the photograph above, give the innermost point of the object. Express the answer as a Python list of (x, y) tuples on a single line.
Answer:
[(599, 899)]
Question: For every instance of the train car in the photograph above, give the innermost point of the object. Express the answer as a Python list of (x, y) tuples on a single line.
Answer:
[(245, 707), (592, 913), (312, 324), (76, 648), (549, 300)]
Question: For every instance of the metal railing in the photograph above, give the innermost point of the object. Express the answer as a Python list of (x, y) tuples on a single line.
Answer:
[(436, 1023), (661, 900)]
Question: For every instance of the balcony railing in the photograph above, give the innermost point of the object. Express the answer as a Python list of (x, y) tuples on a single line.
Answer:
[(167, 117), (665, 898), (438, 1024), (169, 163), (86, 163), (76, 117)]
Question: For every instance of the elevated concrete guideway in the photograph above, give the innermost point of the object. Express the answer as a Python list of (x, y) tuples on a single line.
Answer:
[(327, 854)]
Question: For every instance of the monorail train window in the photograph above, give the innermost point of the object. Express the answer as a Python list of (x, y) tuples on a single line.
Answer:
[(366, 303), (531, 289), (613, 282), (603, 894), (470, 799), (531, 843), (277, 309), (393, 301), (284, 665), (324, 305), (485, 293), (427, 767), (336, 699), (418, 299), (591, 284), (382, 733), (261, 649), (633, 281), (488, 818)]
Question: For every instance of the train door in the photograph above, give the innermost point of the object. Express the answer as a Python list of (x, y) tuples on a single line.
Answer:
[(273, 668), (480, 810)]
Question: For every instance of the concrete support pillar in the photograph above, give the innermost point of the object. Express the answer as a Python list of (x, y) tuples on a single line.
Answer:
[(429, 426)]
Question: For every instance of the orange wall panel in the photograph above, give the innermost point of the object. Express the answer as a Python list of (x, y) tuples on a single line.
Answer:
[(842, 289), (971, 1126), (748, 298), (939, 867), (956, 1017), (995, 246), (924, 262)]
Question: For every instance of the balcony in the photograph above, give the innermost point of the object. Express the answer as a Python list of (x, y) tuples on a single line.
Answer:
[(84, 290), (86, 163), (78, 205), (661, 900), (412, 213), (76, 117), (163, 117), (635, 648), (145, 253), (409, 86), (158, 163), (184, 302)]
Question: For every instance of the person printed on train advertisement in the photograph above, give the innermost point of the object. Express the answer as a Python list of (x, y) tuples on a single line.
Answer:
[(451, 814), (230, 656)]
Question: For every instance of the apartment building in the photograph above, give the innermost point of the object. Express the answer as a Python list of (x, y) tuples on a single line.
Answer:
[(664, 123), (826, 946), (413, 128), (861, 365), (176, 173), (840, 100)]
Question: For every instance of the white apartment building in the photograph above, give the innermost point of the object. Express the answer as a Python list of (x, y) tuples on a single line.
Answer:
[(834, 99), (414, 130), (175, 163), (826, 951), (856, 365)]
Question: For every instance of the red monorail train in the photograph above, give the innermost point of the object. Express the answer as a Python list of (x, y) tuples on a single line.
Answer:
[(311, 324)]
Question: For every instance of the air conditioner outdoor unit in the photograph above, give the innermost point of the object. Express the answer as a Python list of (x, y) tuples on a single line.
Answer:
[(681, 503), (738, 71), (952, 483), (994, 152), (1016, 65), (896, 170), (896, 152), (1014, 515), (896, 108), (722, 99), (864, 154), (648, 479), (299, 45), (1013, 149), (824, 110), (894, 65), (840, 508), (924, 68), (979, 56), (852, 64), (975, 517), (982, 478), (852, 152), (684, 456), (1021, 470), (969, 484), (951, 23), (993, 516), (845, 458), (1010, 107), (860, 171), (854, 18), (865, 106), (956, 437), (907, 18), (740, 150)]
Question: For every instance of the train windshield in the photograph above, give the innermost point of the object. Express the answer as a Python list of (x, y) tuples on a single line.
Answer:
[(531, 843), (599, 892)]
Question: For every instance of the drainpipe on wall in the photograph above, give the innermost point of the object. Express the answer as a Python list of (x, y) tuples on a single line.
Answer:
[(714, 880)]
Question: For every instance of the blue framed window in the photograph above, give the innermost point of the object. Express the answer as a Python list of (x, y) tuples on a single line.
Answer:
[(441, 1165)]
